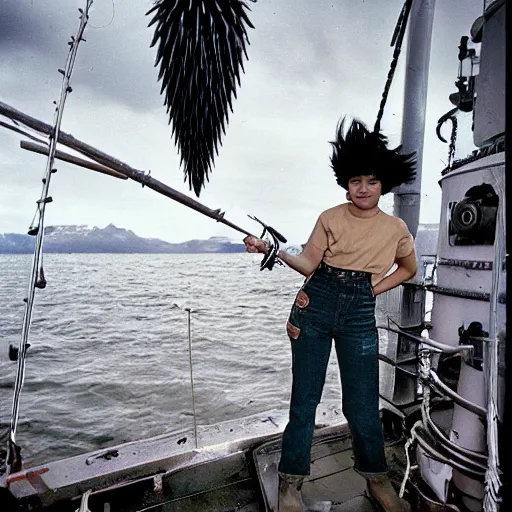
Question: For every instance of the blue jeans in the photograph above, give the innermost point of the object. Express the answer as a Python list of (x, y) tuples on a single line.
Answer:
[(339, 305)]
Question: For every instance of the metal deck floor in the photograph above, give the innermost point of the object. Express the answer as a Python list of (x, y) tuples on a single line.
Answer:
[(333, 485)]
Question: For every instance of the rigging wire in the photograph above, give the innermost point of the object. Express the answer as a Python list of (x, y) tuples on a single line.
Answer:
[(37, 274), (189, 337), (111, 19), (396, 41), (453, 140), (22, 132)]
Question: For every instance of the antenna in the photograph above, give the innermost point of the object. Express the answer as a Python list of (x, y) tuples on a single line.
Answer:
[(37, 279), (189, 312)]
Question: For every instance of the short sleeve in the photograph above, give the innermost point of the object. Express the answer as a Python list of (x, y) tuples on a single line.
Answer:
[(405, 243), (319, 237)]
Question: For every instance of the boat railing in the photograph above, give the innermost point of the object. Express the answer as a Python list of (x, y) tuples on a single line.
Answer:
[(435, 345)]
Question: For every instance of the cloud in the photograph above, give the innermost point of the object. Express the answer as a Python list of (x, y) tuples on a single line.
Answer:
[(115, 61), (293, 43)]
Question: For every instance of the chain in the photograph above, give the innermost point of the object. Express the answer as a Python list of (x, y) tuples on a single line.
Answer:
[(396, 41)]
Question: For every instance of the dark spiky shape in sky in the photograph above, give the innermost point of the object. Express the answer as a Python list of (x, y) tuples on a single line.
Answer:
[(359, 152), (201, 48)]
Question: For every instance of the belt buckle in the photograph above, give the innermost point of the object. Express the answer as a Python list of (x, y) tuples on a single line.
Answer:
[(341, 275)]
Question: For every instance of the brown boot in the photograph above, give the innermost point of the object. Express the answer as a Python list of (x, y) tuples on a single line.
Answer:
[(381, 491), (290, 498)]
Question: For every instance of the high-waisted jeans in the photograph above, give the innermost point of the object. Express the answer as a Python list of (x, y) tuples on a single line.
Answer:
[(339, 305)]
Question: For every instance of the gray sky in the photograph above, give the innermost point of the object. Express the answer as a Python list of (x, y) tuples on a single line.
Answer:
[(309, 64)]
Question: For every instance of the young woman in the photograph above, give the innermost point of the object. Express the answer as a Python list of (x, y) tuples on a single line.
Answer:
[(351, 249)]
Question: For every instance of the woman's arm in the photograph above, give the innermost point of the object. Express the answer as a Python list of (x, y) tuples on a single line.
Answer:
[(406, 269), (305, 263), (308, 260)]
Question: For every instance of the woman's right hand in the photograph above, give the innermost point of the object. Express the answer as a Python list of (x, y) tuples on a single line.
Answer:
[(253, 244)]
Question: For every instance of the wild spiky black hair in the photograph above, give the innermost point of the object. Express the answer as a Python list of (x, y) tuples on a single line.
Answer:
[(359, 152), (201, 46)]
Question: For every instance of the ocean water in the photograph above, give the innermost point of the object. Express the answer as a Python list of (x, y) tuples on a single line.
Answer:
[(109, 359)]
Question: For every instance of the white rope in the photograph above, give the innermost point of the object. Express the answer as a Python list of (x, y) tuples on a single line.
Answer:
[(408, 468), (492, 496), (37, 258), (84, 504)]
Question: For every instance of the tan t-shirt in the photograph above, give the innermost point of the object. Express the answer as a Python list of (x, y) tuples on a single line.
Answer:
[(365, 244)]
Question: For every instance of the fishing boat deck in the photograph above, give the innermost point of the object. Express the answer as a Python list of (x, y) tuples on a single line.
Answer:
[(332, 486), (162, 475)]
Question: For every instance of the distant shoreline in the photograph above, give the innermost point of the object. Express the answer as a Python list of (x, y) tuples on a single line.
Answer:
[(30, 253), (111, 240)]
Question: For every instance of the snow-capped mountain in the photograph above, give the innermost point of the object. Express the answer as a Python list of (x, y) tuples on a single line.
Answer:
[(87, 239)]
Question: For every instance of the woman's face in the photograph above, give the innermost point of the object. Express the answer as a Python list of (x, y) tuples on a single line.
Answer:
[(365, 191)]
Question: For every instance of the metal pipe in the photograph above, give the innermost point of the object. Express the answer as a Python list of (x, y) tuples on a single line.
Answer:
[(437, 345), (435, 431), (459, 400), (65, 157), (408, 196), (436, 455)]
